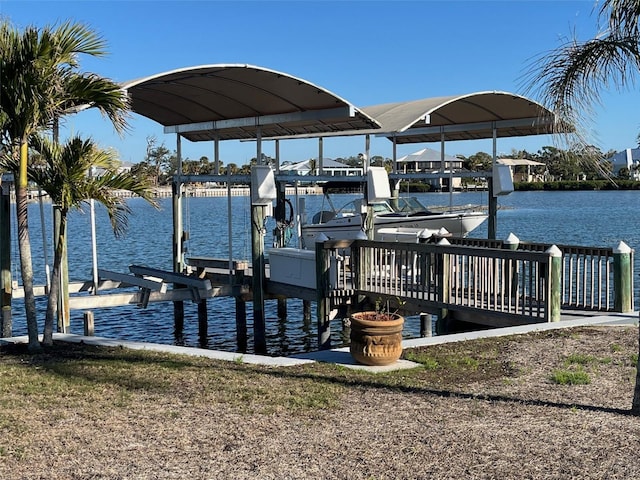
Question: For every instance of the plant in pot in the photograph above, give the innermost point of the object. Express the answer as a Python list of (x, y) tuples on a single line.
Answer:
[(376, 336)]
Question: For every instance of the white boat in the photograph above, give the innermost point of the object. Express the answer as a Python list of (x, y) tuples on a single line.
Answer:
[(404, 219)]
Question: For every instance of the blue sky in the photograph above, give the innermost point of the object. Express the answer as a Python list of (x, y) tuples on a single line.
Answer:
[(368, 52)]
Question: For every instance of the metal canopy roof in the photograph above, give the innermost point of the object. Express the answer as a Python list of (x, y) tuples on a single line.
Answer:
[(462, 117), (231, 101)]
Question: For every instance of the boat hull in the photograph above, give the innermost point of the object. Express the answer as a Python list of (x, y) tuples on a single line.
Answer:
[(350, 228)]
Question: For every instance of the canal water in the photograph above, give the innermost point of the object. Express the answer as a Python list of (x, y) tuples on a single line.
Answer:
[(589, 218)]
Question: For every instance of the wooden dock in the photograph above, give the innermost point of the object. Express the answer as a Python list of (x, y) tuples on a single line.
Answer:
[(473, 281)]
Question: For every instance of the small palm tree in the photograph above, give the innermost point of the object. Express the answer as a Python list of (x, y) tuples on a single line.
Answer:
[(40, 84), (64, 177)]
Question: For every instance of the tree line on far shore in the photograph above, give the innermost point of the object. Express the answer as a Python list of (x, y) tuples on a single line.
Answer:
[(588, 168)]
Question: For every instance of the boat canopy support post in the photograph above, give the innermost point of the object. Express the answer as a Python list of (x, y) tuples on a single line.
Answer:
[(178, 238), (493, 199), (395, 185), (216, 155), (367, 152), (6, 325), (263, 192)]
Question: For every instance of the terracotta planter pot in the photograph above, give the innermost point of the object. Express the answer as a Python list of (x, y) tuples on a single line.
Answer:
[(376, 338)]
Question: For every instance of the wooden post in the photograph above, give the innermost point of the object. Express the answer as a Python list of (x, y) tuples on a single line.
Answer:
[(324, 325), (512, 243), (426, 326), (257, 252), (203, 323), (178, 306), (442, 279), (89, 330), (241, 308), (178, 320), (178, 238), (622, 278), (6, 286), (555, 282), (306, 310)]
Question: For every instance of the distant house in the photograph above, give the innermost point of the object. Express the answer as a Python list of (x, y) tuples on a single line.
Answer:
[(522, 176), (628, 158), (125, 167), (430, 161), (329, 167)]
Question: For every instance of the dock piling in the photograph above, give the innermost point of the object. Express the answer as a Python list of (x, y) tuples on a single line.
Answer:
[(88, 320)]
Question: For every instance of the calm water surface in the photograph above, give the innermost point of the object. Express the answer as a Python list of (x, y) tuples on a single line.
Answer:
[(600, 219)]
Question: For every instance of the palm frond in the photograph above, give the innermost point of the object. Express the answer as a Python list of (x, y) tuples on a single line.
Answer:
[(622, 16), (568, 81), (90, 90), (65, 177)]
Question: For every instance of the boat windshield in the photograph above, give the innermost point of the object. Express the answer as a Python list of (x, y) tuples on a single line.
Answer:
[(409, 205), (353, 208)]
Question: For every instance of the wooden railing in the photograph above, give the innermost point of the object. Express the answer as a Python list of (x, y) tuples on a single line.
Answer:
[(454, 277), (528, 284), (588, 273)]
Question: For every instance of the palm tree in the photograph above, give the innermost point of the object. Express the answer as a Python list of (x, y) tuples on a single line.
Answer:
[(569, 79), (40, 84), (64, 177)]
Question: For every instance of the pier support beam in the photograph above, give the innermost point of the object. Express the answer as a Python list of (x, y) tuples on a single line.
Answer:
[(203, 323), (241, 308), (426, 328), (88, 320)]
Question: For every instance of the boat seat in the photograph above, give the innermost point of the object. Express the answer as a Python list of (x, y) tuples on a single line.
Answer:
[(323, 216)]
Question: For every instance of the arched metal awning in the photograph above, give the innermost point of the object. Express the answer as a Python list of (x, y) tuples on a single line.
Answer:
[(462, 117), (470, 116), (237, 101)]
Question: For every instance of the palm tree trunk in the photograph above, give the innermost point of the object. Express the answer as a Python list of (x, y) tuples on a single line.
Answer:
[(54, 293), (24, 243), (635, 406)]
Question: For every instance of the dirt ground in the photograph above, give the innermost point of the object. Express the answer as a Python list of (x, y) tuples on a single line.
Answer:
[(503, 419)]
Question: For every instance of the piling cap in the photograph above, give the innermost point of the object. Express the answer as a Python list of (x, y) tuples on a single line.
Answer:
[(443, 241), (622, 248), (554, 251), (321, 238), (512, 239)]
